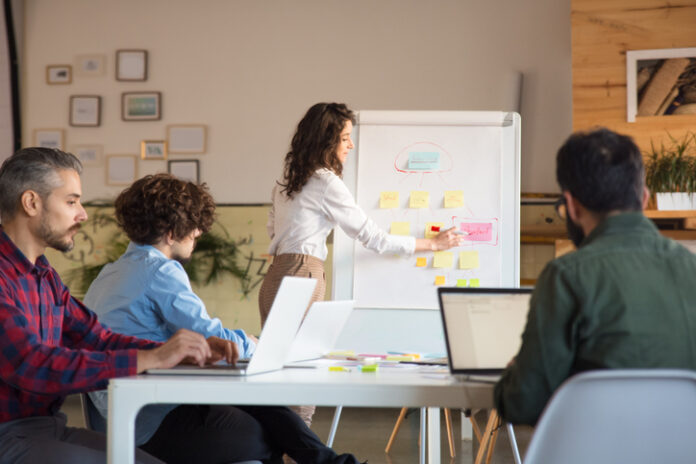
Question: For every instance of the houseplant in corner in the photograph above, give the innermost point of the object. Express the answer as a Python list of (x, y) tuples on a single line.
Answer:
[(670, 173)]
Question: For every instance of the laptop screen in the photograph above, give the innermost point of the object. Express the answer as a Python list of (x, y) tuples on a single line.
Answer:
[(483, 327)]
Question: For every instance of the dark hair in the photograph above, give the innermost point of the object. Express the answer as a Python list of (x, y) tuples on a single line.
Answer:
[(603, 170), (33, 168), (314, 145), (158, 204)]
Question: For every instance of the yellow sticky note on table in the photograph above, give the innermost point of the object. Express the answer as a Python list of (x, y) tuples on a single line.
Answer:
[(400, 228), (454, 199), (443, 259), (474, 283), (421, 262), (419, 199), (461, 282), (439, 280), (429, 232), (469, 259), (389, 200)]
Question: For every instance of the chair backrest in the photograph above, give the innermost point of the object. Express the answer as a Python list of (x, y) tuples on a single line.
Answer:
[(612, 416), (93, 420)]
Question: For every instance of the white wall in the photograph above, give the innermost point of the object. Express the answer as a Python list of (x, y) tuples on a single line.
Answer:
[(250, 68)]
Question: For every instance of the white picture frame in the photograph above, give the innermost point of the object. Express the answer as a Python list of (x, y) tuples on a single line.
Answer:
[(121, 169), (131, 65), (188, 170), (93, 65), (49, 138), (187, 138), (58, 74), (89, 155), (85, 110)]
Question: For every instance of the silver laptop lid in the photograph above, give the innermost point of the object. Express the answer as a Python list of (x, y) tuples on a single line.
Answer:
[(320, 329)]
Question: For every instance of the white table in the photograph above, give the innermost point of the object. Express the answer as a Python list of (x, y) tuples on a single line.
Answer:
[(386, 388)]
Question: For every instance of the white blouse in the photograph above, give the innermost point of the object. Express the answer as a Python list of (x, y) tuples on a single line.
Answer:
[(301, 224)]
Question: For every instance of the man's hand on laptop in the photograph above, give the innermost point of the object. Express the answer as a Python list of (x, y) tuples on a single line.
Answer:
[(222, 349), (183, 345)]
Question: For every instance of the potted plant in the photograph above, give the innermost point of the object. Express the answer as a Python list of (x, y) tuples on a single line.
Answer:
[(670, 173)]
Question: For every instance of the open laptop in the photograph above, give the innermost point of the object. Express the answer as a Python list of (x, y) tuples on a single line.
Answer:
[(483, 327), (320, 330), (281, 326)]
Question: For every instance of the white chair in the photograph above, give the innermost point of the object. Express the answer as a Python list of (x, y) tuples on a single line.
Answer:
[(611, 416)]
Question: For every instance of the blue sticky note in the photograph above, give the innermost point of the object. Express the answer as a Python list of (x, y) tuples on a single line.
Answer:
[(424, 160)]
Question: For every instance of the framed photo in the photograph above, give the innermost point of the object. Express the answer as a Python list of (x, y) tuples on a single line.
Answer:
[(131, 65), (141, 106), (85, 110), (49, 138), (153, 149), (660, 82), (57, 74), (184, 170), (89, 155), (187, 139), (90, 65), (121, 169)]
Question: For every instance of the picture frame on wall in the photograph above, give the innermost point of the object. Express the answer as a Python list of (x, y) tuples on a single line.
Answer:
[(85, 110), (121, 169), (185, 169), (187, 138), (153, 149), (90, 65), (141, 106), (58, 74), (131, 65), (89, 155), (49, 138)]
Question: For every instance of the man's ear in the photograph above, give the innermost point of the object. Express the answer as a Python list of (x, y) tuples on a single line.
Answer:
[(169, 238), (31, 203), (646, 197), (572, 208)]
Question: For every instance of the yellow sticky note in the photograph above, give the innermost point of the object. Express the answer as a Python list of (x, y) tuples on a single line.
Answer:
[(421, 262), (454, 199), (389, 200), (443, 259), (429, 232), (461, 282), (474, 283), (439, 280), (468, 259), (400, 228), (419, 199)]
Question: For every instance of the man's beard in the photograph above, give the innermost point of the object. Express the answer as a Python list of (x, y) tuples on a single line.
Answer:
[(575, 232), (61, 242)]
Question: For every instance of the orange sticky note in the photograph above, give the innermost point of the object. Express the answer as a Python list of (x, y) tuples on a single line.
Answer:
[(461, 282), (443, 259), (433, 228), (474, 283), (469, 259), (419, 199), (439, 280), (400, 228), (454, 199), (389, 200), (421, 262)]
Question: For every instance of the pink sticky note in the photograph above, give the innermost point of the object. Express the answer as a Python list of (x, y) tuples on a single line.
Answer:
[(477, 231)]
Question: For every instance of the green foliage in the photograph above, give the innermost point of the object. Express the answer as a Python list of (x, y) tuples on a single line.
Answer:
[(672, 168)]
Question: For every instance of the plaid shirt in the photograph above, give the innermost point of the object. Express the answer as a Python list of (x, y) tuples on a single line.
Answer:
[(51, 345)]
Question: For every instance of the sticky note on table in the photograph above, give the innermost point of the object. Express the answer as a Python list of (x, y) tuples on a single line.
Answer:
[(442, 259), (454, 199), (419, 199), (400, 228), (424, 160), (461, 282), (439, 280), (474, 283), (388, 200), (369, 368), (421, 262), (469, 259), (433, 228), (477, 231)]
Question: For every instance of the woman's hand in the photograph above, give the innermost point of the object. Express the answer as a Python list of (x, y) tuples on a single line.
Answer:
[(443, 241)]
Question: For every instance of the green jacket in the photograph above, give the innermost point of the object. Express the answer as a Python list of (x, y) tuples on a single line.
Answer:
[(625, 299)]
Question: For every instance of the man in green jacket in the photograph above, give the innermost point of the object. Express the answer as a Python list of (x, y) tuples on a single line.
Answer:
[(625, 299)]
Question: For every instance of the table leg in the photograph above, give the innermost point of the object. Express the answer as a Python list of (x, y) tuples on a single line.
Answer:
[(423, 442), (120, 436), (433, 436)]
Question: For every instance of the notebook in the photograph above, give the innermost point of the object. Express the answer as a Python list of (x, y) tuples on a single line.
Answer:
[(483, 327), (320, 330), (271, 352)]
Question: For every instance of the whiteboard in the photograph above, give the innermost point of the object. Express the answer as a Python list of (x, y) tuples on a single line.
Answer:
[(473, 159)]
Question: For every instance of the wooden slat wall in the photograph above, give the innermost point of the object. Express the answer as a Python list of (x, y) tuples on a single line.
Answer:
[(602, 32)]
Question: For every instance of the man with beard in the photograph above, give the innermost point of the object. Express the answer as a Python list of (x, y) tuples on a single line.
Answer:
[(147, 293), (625, 299), (51, 345)]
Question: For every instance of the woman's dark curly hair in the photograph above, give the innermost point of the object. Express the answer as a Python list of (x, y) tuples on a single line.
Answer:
[(158, 204), (314, 145)]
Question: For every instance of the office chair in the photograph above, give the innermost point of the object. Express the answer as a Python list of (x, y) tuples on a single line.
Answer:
[(627, 415)]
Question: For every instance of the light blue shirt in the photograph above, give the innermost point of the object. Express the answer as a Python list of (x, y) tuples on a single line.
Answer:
[(147, 295)]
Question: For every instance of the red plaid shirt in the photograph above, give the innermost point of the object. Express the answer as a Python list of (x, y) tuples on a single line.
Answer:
[(51, 345)]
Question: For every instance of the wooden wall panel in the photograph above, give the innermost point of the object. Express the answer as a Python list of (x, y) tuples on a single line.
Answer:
[(602, 32)]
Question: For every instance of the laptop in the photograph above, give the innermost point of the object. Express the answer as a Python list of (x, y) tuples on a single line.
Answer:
[(483, 327), (320, 330), (271, 352)]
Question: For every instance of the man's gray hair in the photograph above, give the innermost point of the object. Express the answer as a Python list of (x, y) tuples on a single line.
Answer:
[(34, 168)]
